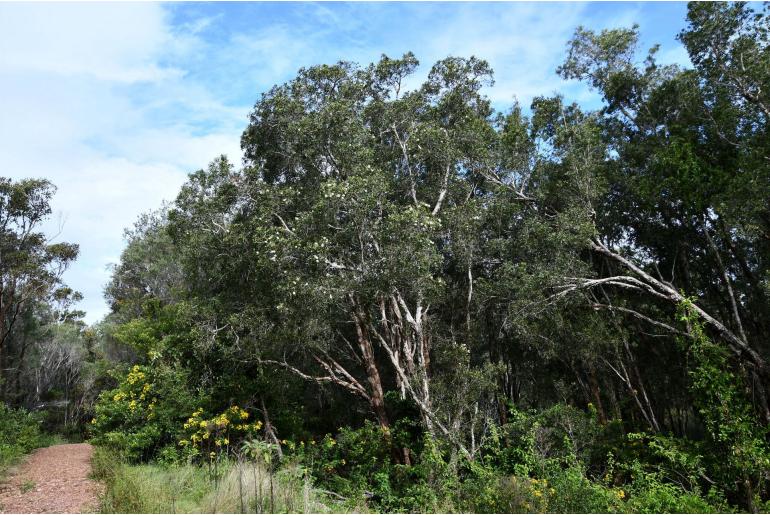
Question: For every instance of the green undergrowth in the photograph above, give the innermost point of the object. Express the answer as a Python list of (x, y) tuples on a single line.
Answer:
[(227, 486), (527, 466), (20, 433)]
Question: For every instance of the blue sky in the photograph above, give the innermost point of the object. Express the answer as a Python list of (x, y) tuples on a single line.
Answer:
[(117, 102)]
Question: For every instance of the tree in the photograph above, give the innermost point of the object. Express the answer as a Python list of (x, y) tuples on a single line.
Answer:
[(30, 265), (149, 268), (345, 218), (684, 197)]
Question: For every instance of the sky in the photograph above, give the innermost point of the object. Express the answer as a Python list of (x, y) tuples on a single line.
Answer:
[(116, 103)]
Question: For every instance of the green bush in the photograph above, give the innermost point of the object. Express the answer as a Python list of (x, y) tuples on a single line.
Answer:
[(649, 492), (364, 466), (571, 491), (546, 461), (532, 439), (356, 462), (145, 413), (20, 433)]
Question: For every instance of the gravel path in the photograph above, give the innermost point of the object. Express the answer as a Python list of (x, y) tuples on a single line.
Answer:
[(52, 480)]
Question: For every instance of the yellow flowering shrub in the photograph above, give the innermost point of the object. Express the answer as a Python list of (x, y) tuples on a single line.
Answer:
[(213, 435), (134, 395), (144, 412)]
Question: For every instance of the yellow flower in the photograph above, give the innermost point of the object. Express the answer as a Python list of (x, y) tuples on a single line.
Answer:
[(135, 375), (226, 441), (621, 494), (538, 493), (93, 421)]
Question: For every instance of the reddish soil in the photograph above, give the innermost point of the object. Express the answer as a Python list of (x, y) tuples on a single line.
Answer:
[(52, 480)]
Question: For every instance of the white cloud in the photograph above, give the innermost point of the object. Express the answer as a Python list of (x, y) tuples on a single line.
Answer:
[(88, 103), (114, 42), (524, 48), (100, 198)]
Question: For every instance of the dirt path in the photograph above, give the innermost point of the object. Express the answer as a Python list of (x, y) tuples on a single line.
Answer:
[(52, 480)]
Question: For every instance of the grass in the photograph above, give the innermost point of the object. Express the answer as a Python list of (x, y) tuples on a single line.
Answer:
[(241, 486), (27, 485)]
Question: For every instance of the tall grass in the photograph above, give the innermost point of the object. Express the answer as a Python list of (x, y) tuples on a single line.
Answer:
[(239, 486)]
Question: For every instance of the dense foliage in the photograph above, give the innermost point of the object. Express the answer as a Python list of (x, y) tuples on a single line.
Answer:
[(421, 304), (20, 432)]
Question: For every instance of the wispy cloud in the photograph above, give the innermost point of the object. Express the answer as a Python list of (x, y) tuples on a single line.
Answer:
[(93, 97)]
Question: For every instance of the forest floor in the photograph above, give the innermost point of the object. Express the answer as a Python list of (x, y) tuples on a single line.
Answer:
[(52, 480)]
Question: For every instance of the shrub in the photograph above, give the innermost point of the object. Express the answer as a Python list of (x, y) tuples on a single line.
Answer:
[(649, 492), (20, 433), (213, 437), (362, 465), (357, 461), (144, 413), (532, 439)]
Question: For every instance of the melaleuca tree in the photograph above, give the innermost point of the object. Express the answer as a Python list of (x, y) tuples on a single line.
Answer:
[(683, 212), (534, 251), (350, 223)]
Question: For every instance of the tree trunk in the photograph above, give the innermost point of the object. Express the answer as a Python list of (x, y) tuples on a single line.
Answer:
[(269, 429), (376, 394)]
